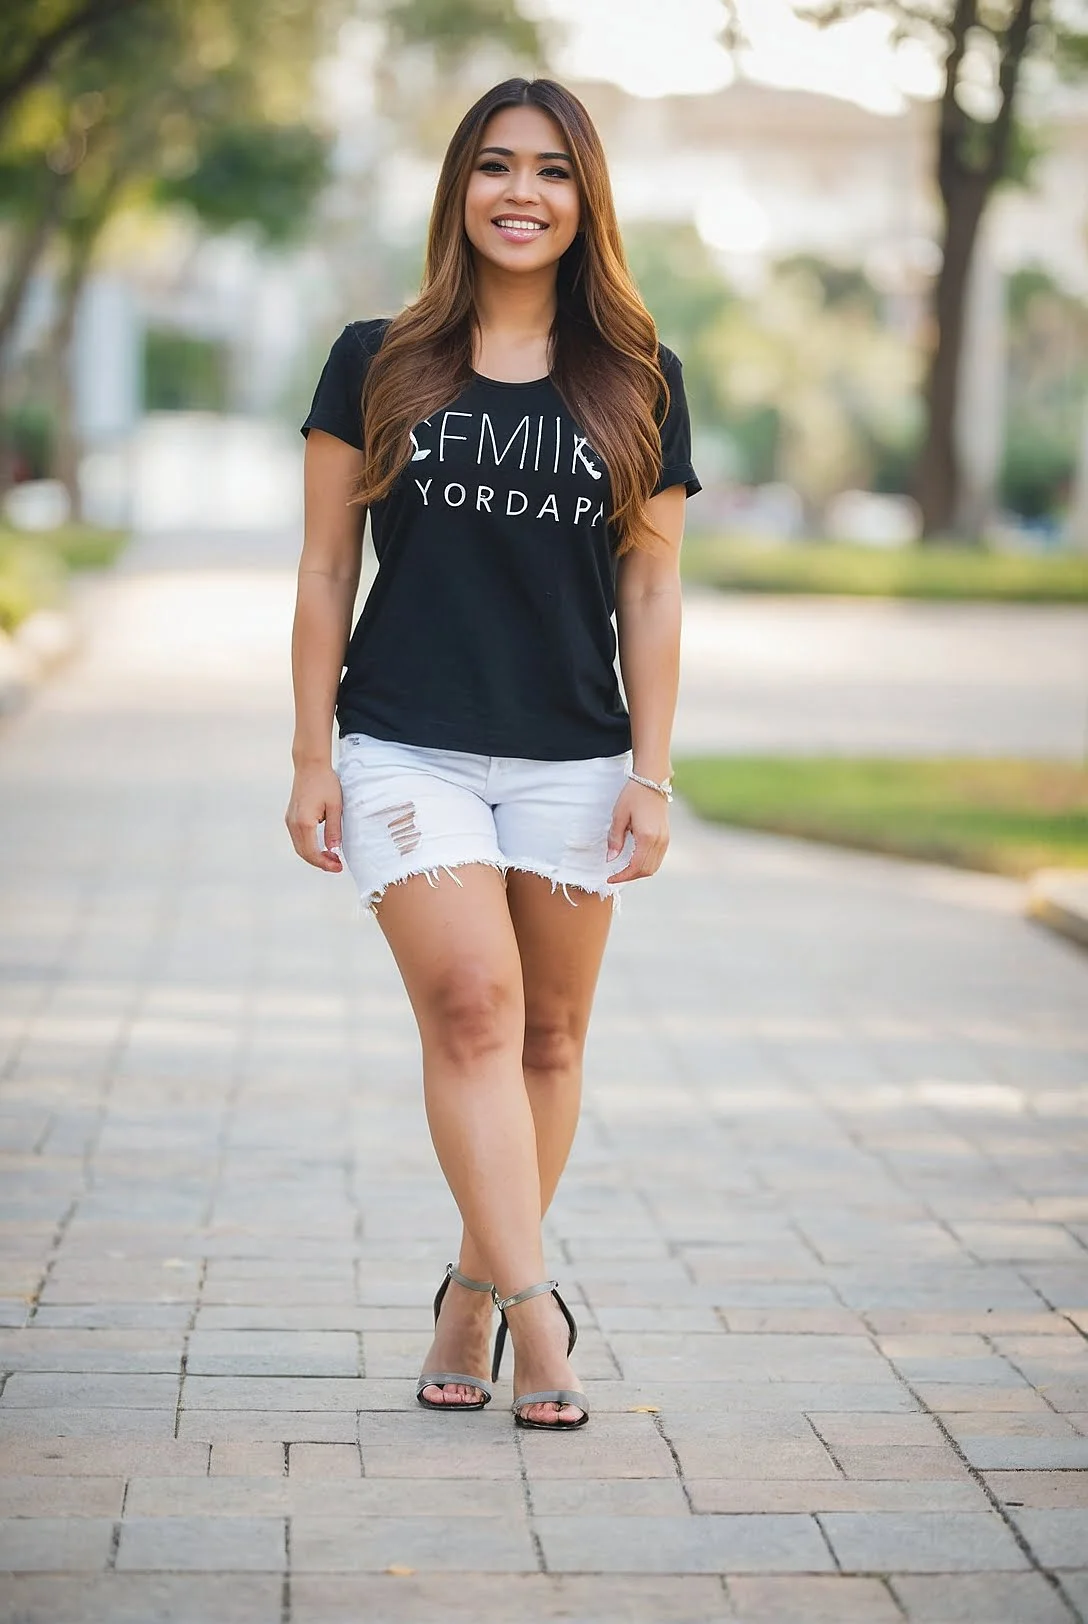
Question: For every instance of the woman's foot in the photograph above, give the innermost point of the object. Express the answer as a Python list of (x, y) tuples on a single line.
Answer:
[(462, 1341), (540, 1336)]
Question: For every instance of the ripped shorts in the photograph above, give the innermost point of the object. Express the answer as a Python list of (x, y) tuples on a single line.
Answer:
[(409, 809)]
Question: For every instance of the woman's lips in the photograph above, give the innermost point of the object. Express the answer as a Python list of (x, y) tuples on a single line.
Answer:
[(523, 233)]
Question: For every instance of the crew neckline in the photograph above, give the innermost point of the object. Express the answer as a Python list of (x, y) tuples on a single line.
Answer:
[(507, 383)]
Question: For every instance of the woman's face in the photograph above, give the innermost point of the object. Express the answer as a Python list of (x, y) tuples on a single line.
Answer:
[(522, 207)]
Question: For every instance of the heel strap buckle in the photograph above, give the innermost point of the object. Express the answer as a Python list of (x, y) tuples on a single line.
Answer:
[(503, 1303)]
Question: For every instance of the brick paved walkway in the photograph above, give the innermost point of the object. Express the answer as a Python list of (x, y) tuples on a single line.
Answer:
[(826, 1224)]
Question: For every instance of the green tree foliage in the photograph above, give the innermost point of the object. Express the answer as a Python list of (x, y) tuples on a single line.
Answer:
[(35, 33), (983, 46), (1047, 387), (266, 175), (452, 28)]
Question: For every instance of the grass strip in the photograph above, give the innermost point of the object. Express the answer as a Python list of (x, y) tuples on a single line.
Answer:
[(34, 565), (837, 568), (1005, 816)]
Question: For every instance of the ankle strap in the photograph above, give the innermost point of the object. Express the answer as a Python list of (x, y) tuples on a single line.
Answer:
[(471, 1285), (502, 1303)]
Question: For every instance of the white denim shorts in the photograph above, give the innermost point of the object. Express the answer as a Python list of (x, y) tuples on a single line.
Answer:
[(410, 810)]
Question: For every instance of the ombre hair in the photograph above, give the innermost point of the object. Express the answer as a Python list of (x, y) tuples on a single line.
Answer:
[(603, 343)]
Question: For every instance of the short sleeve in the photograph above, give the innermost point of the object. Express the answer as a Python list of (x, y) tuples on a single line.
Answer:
[(676, 466), (336, 406)]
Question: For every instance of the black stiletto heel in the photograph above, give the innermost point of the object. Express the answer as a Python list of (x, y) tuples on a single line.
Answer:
[(557, 1395), (439, 1378)]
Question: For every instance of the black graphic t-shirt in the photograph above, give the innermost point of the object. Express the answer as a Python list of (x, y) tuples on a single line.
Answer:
[(488, 627)]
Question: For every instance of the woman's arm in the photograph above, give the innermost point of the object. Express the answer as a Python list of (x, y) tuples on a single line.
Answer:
[(648, 611), (328, 579)]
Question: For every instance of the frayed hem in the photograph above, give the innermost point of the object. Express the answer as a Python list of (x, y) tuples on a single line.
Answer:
[(607, 893), (373, 898)]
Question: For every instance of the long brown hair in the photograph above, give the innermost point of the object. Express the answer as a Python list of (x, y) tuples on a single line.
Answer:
[(603, 343)]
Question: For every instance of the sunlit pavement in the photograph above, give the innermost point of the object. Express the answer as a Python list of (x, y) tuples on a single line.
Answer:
[(825, 1227)]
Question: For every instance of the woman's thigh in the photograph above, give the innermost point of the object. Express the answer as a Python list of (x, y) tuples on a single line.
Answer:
[(457, 954), (561, 947)]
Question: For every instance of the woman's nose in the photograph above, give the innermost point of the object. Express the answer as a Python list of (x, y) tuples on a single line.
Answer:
[(522, 187)]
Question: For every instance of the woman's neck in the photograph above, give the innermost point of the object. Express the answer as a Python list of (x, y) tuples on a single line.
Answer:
[(517, 306)]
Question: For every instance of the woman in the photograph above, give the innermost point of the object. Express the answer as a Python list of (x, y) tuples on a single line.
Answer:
[(521, 442)]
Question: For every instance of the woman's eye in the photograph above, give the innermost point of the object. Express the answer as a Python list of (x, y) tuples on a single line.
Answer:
[(556, 174), (492, 163)]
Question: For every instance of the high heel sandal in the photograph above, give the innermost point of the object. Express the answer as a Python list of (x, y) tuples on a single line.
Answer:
[(556, 1395), (439, 1378)]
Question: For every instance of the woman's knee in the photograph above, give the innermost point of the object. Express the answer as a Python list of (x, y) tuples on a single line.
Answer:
[(473, 1012), (553, 1045)]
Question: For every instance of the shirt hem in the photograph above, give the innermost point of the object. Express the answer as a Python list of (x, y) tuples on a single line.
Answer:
[(608, 742)]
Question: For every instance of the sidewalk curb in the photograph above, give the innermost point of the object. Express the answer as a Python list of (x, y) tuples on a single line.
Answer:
[(1058, 897)]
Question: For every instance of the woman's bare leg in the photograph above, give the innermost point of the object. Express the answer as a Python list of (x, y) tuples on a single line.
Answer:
[(561, 948), (458, 956)]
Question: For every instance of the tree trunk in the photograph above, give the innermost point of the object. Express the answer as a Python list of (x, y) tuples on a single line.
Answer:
[(28, 250), (971, 159), (938, 474), (66, 444)]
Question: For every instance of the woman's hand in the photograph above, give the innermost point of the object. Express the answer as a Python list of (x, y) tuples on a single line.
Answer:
[(316, 798), (646, 814)]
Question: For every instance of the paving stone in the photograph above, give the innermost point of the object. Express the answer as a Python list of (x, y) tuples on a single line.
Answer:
[(867, 1428), (374, 1544), (1043, 1489), (1060, 1454), (822, 1321), (324, 1461), (61, 1496), (32, 1390), (207, 1497), (129, 1598), (514, 1598), (945, 1398), (109, 1316), (327, 1394), (1058, 1537), (101, 1457), (111, 1352), (694, 1544), (333, 1318), (611, 1446), (813, 1599), (219, 1427), (980, 1598), (834, 1494), (202, 1545), (59, 1544), (273, 1353), (921, 1542), (108, 1422), (609, 1497), (924, 1462), (753, 1397), (666, 1356), (1009, 1424), (748, 1447), (248, 1459), (1074, 1587)]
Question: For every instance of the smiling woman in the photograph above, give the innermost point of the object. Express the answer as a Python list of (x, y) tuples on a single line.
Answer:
[(521, 442)]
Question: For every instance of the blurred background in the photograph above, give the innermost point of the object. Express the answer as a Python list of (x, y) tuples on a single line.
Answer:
[(863, 226)]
